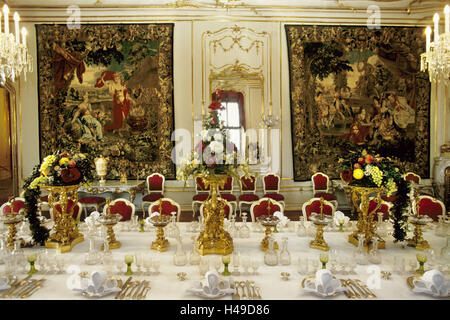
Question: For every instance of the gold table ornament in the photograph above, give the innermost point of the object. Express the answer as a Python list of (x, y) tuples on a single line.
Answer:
[(161, 243), (268, 222), (11, 220), (214, 239), (320, 221), (65, 235), (366, 225), (417, 241), (109, 221)]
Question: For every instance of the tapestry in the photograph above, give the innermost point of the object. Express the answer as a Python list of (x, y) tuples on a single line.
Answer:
[(108, 90), (354, 88)]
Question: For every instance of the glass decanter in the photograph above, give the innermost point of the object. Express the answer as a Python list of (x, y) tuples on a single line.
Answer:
[(445, 252), (374, 256), (244, 230), (194, 256), (180, 257), (172, 229), (285, 256), (19, 256), (361, 254), (233, 231), (93, 256), (4, 249), (271, 256), (301, 230), (441, 230)]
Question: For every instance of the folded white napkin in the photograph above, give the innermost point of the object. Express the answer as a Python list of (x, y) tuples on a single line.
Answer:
[(283, 219), (340, 216), (432, 282), (323, 284), (211, 286), (97, 284)]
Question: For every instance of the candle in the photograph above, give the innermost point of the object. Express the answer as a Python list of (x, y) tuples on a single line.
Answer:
[(447, 18), (5, 13), (16, 26), (428, 34), (24, 36), (436, 28)]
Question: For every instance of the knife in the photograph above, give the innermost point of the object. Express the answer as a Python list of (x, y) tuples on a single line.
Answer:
[(125, 285), (27, 293), (250, 293), (355, 285), (15, 286)]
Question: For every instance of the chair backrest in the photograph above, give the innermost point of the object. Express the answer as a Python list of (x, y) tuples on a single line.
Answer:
[(431, 207), (121, 206), (200, 186), (317, 205), (228, 209), (412, 177), (261, 207), (18, 204), (76, 207), (155, 183), (271, 183), (228, 186), (384, 208), (248, 185), (320, 182), (167, 207)]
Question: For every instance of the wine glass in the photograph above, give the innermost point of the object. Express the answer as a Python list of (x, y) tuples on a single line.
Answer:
[(399, 265), (139, 262), (302, 265), (412, 265), (203, 266), (245, 263), (147, 264), (255, 266), (156, 265), (235, 263), (217, 263)]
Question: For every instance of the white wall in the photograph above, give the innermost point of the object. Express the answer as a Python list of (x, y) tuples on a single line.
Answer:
[(187, 74)]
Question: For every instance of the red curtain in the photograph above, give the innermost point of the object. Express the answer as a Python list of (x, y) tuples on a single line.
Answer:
[(233, 96)]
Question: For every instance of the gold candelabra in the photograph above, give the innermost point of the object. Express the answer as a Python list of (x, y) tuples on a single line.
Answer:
[(418, 221), (214, 239), (65, 234), (11, 220), (109, 221), (161, 243), (320, 222), (268, 221), (366, 224)]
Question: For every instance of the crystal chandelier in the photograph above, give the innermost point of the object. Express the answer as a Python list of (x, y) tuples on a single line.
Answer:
[(14, 56), (437, 57)]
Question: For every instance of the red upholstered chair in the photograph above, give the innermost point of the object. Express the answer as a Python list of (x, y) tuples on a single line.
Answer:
[(384, 208), (155, 189), (201, 194), (92, 201), (317, 205), (265, 206), (77, 209), (248, 191), (228, 209), (431, 207), (322, 188), (412, 177), (17, 203), (226, 192), (271, 187), (121, 206), (167, 207)]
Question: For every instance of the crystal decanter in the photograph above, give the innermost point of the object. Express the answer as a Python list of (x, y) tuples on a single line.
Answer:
[(374, 256), (4, 249), (361, 254), (172, 229), (244, 230), (180, 257), (271, 256), (194, 256), (301, 230), (18, 256), (285, 256)]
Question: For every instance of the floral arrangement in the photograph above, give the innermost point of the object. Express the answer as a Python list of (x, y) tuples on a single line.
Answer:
[(365, 170), (58, 169), (215, 153)]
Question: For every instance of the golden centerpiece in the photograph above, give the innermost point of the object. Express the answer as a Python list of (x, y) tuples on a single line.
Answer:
[(65, 234), (11, 220), (320, 221), (418, 221), (214, 239), (109, 221), (160, 221), (268, 221)]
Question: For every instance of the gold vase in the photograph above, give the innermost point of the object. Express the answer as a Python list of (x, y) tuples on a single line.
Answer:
[(366, 225), (65, 234), (214, 239)]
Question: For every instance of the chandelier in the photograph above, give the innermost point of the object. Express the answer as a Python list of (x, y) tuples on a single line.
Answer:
[(437, 57), (14, 56)]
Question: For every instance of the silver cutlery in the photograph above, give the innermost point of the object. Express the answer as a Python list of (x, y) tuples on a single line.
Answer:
[(124, 286), (15, 285), (139, 289), (251, 296), (236, 295), (358, 288), (366, 288), (144, 293), (242, 285), (36, 286)]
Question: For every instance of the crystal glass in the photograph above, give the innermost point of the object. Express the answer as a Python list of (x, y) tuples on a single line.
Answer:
[(375, 256), (226, 261), (147, 264), (194, 256), (19, 256), (203, 267), (255, 266), (441, 229), (301, 230), (324, 260), (421, 258), (233, 230), (156, 265), (271, 256), (31, 258), (139, 259), (246, 263), (180, 257), (172, 229), (361, 254), (60, 264), (129, 260), (314, 265), (285, 256), (217, 263), (4, 249), (244, 230), (445, 252), (302, 265), (399, 265), (235, 262), (93, 256)]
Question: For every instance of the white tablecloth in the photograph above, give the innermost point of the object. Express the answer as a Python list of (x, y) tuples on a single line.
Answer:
[(167, 286)]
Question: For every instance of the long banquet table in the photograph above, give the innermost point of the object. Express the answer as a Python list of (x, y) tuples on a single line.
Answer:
[(166, 286)]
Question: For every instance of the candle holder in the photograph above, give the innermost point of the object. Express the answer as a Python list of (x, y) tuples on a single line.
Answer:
[(268, 222), (109, 221), (421, 258), (417, 241), (320, 222), (129, 261), (11, 220), (161, 243), (226, 262), (31, 258)]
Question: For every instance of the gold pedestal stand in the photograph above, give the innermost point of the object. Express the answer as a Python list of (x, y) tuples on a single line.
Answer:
[(214, 239), (65, 235), (417, 241), (319, 242), (109, 221), (161, 243), (366, 224), (12, 220), (268, 222)]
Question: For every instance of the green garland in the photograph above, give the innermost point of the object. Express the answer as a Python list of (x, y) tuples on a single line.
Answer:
[(39, 233), (399, 218)]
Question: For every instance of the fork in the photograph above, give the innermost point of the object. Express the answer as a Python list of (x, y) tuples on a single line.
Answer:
[(144, 292), (236, 295), (364, 286), (255, 290)]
